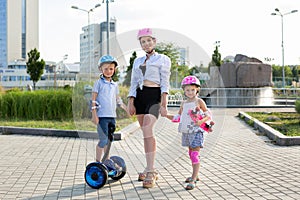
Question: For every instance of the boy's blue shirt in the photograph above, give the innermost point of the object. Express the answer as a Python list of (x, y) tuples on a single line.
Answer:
[(107, 93)]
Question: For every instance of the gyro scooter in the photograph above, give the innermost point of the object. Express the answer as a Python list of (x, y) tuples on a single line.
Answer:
[(97, 173)]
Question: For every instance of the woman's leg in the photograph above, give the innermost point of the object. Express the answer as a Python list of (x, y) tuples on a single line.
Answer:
[(147, 123), (149, 140)]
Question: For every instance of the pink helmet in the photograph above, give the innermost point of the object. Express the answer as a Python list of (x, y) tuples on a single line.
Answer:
[(190, 80), (145, 32)]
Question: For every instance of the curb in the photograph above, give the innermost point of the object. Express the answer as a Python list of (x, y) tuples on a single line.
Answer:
[(271, 133), (10, 130)]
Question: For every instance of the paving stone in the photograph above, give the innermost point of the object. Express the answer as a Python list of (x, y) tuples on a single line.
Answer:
[(236, 163)]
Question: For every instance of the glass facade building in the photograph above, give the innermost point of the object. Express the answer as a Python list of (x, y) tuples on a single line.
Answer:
[(19, 32), (3, 33)]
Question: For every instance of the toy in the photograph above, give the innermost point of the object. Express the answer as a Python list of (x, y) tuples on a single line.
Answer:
[(97, 173), (196, 116)]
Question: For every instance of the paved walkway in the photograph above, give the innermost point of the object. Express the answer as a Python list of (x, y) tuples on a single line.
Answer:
[(236, 163)]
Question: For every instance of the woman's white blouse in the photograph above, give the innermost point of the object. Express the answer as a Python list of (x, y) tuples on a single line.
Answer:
[(158, 70)]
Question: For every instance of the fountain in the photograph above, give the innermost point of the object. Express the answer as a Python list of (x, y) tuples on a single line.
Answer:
[(243, 82)]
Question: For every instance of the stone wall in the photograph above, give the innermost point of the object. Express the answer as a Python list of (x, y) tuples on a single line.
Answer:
[(243, 73)]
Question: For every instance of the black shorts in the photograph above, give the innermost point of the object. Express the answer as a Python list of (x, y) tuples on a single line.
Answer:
[(147, 100)]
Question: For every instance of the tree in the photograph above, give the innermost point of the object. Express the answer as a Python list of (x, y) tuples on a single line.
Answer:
[(170, 50), (295, 72), (35, 68), (277, 72), (216, 58), (178, 72), (129, 69)]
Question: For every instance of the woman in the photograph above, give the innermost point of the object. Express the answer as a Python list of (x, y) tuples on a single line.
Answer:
[(148, 97)]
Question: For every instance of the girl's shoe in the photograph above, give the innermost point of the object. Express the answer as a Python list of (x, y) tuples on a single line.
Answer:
[(191, 185), (150, 179), (142, 176), (189, 179)]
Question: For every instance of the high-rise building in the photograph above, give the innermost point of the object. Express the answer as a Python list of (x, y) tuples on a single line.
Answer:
[(89, 47), (19, 33), (93, 45)]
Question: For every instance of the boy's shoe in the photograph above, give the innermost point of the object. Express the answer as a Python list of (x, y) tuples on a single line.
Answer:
[(109, 164)]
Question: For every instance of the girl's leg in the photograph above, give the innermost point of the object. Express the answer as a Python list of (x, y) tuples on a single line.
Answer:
[(195, 152)]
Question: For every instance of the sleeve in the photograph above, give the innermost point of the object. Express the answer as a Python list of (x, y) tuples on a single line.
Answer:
[(96, 86), (134, 82), (165, 73)]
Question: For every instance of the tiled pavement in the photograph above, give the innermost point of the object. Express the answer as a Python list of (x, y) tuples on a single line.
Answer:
[(236, 163)]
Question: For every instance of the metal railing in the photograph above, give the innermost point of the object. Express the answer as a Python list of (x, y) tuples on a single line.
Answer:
[(243, 97)]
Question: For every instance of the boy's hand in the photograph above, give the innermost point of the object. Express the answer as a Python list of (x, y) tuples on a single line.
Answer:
[(95, 118)]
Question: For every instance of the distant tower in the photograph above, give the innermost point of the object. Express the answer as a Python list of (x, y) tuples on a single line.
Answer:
[(183, 56), (19, 31), (103, 36)]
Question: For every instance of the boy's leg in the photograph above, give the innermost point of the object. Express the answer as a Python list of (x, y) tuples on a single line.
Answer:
[(99, 153), (102, 129)]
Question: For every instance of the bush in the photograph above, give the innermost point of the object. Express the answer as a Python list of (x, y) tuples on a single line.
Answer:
[(37, 105), (62, 104), (297, 106)]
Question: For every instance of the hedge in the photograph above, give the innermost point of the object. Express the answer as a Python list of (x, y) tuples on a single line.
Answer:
[(36, 105)]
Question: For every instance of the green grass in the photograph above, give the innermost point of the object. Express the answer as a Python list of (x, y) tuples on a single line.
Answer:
[(288, 123), (85, 125)]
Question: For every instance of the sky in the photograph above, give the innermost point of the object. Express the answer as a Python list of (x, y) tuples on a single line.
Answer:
[(242, 27)]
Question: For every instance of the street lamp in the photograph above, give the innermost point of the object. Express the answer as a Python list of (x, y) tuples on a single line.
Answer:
[(89, 34), (107, 23), (277, 12)]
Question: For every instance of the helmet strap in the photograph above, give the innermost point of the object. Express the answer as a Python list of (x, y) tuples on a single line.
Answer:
[(149, 53)]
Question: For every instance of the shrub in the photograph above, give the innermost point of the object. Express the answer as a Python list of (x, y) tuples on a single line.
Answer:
[(37, 105), (2, 91), (297, 106)]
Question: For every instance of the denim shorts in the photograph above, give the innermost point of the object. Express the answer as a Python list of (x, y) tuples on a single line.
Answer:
[(192, 140), (102, 129)]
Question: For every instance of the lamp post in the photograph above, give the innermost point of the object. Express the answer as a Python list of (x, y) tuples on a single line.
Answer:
[(107, 23), (89, 34), (277, 12)]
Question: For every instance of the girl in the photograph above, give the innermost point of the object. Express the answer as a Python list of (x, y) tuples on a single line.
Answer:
[(190, 126), (148, 97)]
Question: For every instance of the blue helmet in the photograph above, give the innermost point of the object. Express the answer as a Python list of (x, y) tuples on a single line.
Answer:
[(107, 59)]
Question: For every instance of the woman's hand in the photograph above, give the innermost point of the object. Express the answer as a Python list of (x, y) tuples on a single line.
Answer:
[(163, 111), (131, 107)]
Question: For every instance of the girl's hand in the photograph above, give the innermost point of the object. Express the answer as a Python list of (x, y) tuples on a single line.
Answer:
[(199, 122)]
